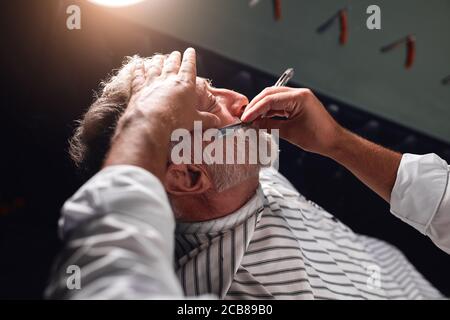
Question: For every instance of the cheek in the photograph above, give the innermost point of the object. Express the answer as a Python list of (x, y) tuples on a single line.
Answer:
[(205, 100), (225, 117)]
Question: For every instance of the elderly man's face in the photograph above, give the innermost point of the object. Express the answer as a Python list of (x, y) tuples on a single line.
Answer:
[(228, 105), (215, 184)]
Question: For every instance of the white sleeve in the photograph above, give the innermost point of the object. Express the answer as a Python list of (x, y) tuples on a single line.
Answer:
[(119, 232), (421, 196)]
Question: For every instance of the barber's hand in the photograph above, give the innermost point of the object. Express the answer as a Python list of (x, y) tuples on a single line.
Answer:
[(165, 91), (309, 125)]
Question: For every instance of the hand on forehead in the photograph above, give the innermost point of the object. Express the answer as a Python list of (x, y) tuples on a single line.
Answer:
[(183, 66), (209, 99)]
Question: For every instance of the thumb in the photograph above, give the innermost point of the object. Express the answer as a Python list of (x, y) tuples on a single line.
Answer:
[(209, 120)]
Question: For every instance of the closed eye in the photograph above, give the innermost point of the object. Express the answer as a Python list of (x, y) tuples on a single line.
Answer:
[(213, 105)]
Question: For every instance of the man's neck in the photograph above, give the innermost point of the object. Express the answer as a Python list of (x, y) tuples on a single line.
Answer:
[(213, 204)]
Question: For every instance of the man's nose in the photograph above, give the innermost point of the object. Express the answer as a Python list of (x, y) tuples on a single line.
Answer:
[(235, 102)]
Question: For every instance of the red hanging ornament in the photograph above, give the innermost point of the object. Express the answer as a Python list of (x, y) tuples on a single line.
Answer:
[(277, 9), (342, 16)]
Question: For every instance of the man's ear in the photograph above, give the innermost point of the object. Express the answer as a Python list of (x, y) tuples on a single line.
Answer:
[(185, 179)]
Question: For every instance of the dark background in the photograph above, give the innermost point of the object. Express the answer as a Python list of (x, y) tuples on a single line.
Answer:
[(48, 77)]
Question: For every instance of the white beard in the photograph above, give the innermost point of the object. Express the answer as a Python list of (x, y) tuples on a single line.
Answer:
[(226, 176)]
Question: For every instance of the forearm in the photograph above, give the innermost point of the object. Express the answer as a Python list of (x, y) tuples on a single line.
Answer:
[(374, 165), (118, 230)]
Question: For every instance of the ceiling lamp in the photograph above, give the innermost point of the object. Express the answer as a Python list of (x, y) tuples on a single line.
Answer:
[(115, 3)]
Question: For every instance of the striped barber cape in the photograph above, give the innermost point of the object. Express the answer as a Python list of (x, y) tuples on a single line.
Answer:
[(281, 246)]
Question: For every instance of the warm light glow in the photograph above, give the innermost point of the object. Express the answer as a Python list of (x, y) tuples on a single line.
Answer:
[(115, 3)]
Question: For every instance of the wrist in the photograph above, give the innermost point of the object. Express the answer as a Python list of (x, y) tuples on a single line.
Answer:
[(141, 141), (340, 144), (150, 123)]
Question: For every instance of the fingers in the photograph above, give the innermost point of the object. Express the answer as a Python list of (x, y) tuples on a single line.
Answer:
[(266, 92), (171, 64), (146, 71), (281, 104), (153, 67), (277, 113), (139, 76), (188, 69), (209, 120)]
